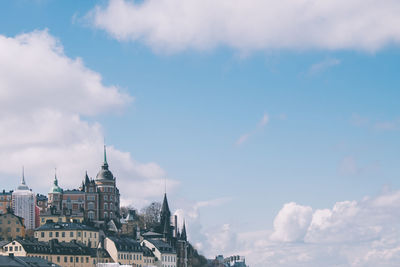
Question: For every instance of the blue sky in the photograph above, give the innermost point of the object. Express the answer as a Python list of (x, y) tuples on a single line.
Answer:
[(331, 114)]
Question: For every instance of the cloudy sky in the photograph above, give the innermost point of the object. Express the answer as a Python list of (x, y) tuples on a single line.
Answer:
[(275, 123)]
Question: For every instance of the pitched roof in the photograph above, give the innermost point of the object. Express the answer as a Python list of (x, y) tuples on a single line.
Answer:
[(126, 244), (49, 226), (55, 247), (161, 245), (9, 261)]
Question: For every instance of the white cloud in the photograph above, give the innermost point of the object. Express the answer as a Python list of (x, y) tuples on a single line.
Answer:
[(243, 138), (362, 233), (291, 223), (323, 65), (175, 25), (43, 95)]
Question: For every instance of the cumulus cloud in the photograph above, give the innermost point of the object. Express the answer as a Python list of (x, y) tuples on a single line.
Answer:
[(175, 25), (43, 95), (363, 233)]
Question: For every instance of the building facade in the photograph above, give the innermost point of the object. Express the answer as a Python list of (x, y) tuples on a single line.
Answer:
[(24, 203), (67, 232), (11, 226), (5, 201), (96, 200)]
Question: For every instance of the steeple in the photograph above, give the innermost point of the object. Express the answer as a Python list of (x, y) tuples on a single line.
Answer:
[(55, 177), (55, 188), (23, 176), (183, 234), (23, 185), (105, 157), (165, 207), (86, 178)]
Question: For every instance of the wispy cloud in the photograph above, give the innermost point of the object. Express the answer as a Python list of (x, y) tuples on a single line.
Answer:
[(323, 65), (261, 124), (378, 125)]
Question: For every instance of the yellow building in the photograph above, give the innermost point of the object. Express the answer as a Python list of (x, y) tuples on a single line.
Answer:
[(67, 232), (11, 226), (61, 218), (64, 254)]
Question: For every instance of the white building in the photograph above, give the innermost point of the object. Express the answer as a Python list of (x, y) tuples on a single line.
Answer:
[(164, 253), (23, 204)]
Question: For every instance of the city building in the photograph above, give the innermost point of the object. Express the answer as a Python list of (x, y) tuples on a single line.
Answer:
[(48, 216), (11, 226), (127, 251), (164, 253), (70, 254), (97, 200), (5, 201), (67, 232), (24, 203)]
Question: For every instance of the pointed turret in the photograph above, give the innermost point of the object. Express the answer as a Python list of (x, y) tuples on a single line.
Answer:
[(23, 185), (86, 178), (183, 234), (105, 157), (55, 188), (105, 173)]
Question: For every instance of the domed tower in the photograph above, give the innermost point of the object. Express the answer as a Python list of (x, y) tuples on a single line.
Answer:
[(55, 195), (108, 192)]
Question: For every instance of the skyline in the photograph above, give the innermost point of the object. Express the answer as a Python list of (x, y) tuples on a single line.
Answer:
[(275, 124)]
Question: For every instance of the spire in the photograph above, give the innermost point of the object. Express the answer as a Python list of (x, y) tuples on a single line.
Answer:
[(55, 177), (165, 208), (105, 155), (183, 234), (23, 176), (86, 178), (23, 185)]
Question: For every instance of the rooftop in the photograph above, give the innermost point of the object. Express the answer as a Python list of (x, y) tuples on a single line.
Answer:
[(49, 226)]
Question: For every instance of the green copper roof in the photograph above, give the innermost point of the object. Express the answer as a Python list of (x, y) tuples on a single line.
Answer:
[(55, 188)]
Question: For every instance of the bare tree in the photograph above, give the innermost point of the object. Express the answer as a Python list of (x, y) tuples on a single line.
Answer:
[(151, 215)]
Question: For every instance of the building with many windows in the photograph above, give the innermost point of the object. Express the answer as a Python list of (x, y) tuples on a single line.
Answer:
[(11, 226), (97, 200), (24, 203), (65, 254), (67, 232)]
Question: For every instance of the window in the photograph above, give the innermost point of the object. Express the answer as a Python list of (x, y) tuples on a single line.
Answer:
[(50, 234), (65, 259), (91, 189), (17, 230), (56, 234), (71, 259), (91, 215), (105, 206), (77, 259), (105, 197), (111, 197), (79, 234), (63, 234), (92, 198), (58, 258), (91, 206), (105, 215), (71, 234)]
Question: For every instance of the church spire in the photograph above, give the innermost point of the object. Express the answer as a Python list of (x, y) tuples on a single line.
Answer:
[(183, 234), (55, 177)]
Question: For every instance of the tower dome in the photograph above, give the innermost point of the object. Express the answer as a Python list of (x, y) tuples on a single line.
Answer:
[(105, 173), (55, 188)]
